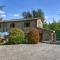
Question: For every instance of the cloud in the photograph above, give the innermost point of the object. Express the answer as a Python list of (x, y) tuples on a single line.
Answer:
[(16, 15), (2, 12), (3, 15)]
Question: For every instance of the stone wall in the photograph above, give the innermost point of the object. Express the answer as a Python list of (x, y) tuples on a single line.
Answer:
[(48, 35)]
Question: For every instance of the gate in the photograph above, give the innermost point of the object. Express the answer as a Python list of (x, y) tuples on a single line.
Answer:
[(57, 35)]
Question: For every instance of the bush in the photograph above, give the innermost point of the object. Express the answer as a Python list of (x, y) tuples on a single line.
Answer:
[(1, 40), (33, 36), (16, 36)]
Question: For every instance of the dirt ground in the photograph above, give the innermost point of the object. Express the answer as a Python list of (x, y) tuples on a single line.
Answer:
[(41, 51)]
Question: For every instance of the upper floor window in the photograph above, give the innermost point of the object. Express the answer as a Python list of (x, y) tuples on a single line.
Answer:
[(12, 25), (26, 24)]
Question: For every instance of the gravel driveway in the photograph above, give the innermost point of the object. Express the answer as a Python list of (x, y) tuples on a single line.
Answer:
[(41, 51)]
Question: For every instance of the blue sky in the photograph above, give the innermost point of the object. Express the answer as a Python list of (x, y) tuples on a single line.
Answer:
[(14, 8)]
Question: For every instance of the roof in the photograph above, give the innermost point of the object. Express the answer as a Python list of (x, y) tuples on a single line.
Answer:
[(13, 20)]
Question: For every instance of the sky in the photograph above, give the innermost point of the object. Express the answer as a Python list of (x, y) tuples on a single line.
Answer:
[(14, 8)]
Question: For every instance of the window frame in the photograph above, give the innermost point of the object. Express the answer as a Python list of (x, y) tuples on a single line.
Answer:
[(27, 24), (12, 25), (0, 26)]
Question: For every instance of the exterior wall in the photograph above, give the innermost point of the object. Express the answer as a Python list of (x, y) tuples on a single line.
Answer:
[(48, 36), (1, 28), (18, 24), (5, 26), (39, 23), (21, 25)]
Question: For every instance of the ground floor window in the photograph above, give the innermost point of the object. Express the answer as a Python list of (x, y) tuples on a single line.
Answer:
[(26, 24), (0, 25), (12, 25)]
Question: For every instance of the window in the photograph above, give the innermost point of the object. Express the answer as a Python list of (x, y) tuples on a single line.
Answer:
[(0, 25), (12, 25), (26, 24)]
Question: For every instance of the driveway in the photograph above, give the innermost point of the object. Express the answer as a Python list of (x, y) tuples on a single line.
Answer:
[(41, 51)]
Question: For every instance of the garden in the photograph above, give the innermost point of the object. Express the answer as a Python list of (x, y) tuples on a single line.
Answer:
[(18, 36)]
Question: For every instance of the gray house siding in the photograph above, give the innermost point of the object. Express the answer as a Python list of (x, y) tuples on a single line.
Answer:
[(25, 25)]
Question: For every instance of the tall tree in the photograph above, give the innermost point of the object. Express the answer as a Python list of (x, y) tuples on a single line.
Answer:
[(38, 14), (46, 25), (27, 15), (58, 25), (52, 26), (34, 14)]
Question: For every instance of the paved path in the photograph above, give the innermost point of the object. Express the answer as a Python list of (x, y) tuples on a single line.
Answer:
[(58, 42), (40, 51)]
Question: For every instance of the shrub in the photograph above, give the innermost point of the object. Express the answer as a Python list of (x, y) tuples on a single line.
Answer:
[(16, 36), (33, 36), (1, 40)]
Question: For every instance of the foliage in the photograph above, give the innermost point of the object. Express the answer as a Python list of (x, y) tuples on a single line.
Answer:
[(58, 25), (27, 15), (1, 40), (38, 14), (52, 26), (16, 36), (33, 36), (34, 14), (45, 25)]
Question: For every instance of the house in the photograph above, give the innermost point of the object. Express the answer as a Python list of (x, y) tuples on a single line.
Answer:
[(24, 24)]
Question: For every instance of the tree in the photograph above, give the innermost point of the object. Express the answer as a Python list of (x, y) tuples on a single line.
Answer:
[(52, 26), (34, 14), (58, 25), (46, 26), (38, 14), (27, 15)]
